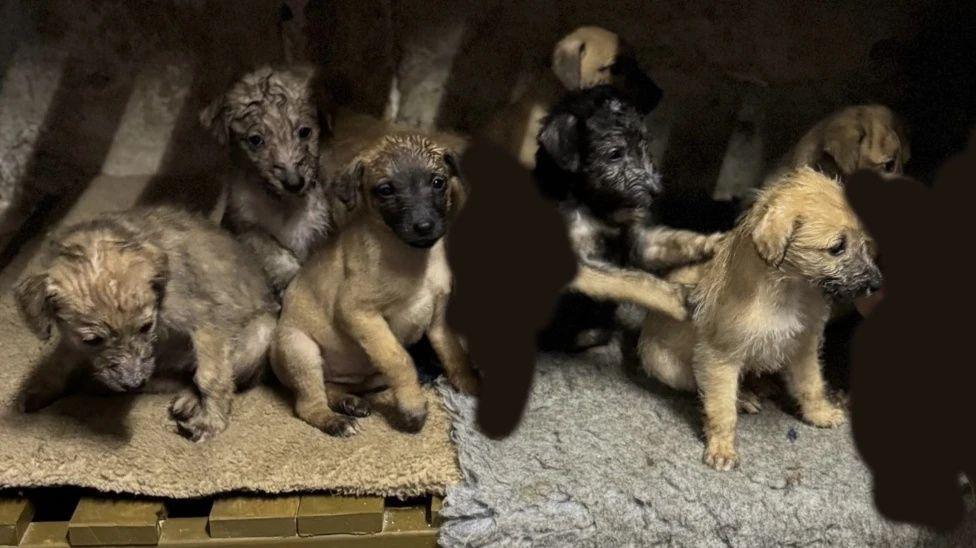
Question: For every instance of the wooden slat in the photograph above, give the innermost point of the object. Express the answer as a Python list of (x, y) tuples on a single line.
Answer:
[(401, 520), (49, 534), (254, 517), (329, 515), (15, 515), (434, 506), (106, 522)]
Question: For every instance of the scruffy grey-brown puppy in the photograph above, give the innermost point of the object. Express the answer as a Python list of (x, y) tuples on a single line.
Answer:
[(273, 199), (760, 305), (380, 284), (147, 297), (856, 137)]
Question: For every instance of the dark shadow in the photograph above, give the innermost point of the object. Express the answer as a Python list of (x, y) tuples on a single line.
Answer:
[(511, 258)]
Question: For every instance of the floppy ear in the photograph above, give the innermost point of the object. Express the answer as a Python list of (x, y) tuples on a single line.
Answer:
[(33, 296), (567, 60), (457, 193), (773, 233), (559, 137), (842, 142), (212, 118), (349, 183)]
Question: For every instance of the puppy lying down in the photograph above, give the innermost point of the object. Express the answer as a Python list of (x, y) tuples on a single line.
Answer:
[(145, 300), (760, 305)]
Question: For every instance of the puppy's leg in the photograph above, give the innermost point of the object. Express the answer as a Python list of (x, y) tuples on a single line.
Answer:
[(297, 361), (386, 353), (214, 380), (634, 286), (447, 345), (49, 380), (661, 247), (718, 384), (804, 380), (250, 352), (280, 265), (342, 401)]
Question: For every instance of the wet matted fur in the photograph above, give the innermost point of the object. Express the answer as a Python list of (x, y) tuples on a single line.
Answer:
[(274, 199), (149, 299), (381, 283), (760, 305)]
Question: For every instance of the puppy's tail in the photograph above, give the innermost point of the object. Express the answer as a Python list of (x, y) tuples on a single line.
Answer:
[(633, 286)]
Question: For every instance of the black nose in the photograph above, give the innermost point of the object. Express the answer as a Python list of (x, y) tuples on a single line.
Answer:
[(423, 228), (293, 183), (875, 283)]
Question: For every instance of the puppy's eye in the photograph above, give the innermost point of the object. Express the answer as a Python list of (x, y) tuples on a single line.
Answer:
[(256, 141), (838, 248), (304, 132), (385, 189), (146, 327), (438, 182), (616, 154), (93, 341)]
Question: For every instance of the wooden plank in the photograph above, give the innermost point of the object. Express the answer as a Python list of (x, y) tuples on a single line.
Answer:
[(15, 515), (106, 522), (330, 515), (47, 534), (254, 517), (434, 506)]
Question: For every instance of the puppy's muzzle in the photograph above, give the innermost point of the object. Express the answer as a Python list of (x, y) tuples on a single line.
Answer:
[(290, 179)]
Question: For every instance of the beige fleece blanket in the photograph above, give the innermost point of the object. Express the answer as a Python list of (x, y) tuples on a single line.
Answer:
[(127, 444)]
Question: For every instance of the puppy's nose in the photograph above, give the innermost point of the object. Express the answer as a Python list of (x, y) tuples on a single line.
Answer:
[(290, 180), (424, 227), (874, 284)]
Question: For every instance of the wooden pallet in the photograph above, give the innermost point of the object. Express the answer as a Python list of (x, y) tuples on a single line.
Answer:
[(91, 519)]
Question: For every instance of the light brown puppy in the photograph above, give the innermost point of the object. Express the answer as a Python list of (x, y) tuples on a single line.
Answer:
[(856, 137), (760, 305), (380, 284)]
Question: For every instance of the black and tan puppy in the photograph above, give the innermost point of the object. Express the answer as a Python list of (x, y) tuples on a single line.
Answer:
[(145, 300), (380, 284), (594, 161)]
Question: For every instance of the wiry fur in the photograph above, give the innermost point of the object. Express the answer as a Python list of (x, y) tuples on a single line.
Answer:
[(147, 297), (380, 284), (594, 161), (274, 200), (760, 305)]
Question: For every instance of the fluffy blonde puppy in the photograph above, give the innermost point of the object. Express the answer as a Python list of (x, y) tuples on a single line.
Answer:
[(760, 305), (380, 284), (853, 138)]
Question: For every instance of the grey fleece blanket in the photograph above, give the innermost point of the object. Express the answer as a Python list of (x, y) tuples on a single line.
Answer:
[(606, 458)]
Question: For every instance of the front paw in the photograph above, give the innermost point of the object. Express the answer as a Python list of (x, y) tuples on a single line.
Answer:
[(712, 243), (340, 426), (411, 420), (466, 382), (824, 415), (36, 398), (721, 455), (352, 405), (200, 425)]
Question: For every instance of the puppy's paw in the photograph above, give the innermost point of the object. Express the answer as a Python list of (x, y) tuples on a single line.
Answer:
[(721, 455), (712, 243), (339, 426), (36, 398), (184, 406), (465, 381), (351, 405), (411, 420), (825, 415), (749, 402), (201, 426)]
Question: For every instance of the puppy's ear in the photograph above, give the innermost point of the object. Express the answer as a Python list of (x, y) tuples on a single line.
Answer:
[(567, 60), (842, 142), (457, 193), (560, 139), (212, 118), (773, 233), (34, 299), (349, 184)]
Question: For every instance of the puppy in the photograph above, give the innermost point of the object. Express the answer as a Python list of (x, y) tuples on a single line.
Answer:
[(273, 200), (146, 297), (587, 57), (594, 161), (760, 305), (857, 137), (380, 284)]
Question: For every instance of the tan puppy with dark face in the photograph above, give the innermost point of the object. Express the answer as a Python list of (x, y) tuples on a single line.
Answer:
[(857, 137), (379, 285), (761, 305)]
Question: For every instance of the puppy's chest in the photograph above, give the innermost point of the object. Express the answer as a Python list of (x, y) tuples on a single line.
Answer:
[(770, 332), (593, 240), (296, 226), (412, 312)]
